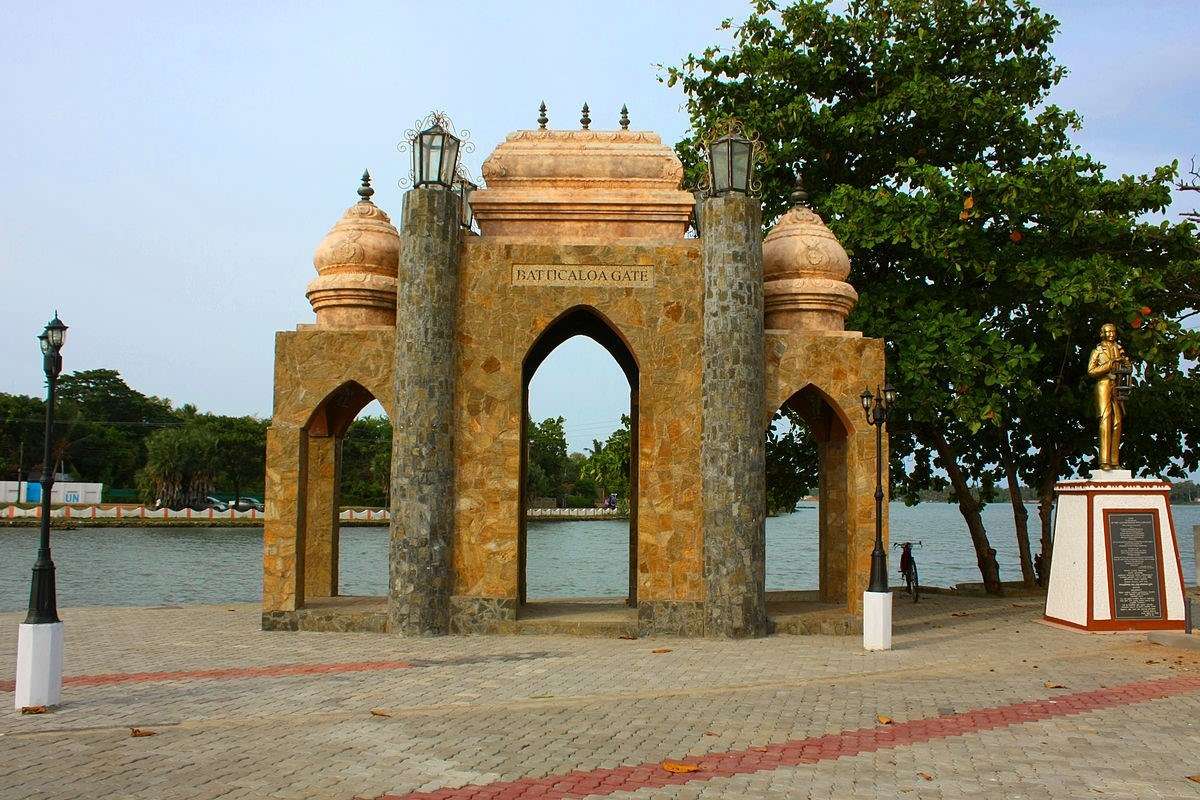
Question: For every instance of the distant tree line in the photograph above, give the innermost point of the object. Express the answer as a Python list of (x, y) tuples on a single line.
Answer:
[(138, 446)]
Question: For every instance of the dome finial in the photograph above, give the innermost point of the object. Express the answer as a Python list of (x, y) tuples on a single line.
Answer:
[(365, 191), (542, 118), (624, 118), (586, 119), (799, 196)]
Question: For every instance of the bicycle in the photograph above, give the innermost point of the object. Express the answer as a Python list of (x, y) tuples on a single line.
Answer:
[(908, 568)]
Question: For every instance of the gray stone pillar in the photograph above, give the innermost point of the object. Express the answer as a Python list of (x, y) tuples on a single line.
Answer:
[(422, 506), (731, 445)]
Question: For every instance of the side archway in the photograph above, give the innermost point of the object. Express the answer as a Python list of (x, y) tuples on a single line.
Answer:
[(301, 548), (832, 430)]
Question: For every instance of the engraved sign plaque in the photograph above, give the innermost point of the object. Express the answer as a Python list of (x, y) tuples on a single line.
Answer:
[(1134, 556), (616, 276)]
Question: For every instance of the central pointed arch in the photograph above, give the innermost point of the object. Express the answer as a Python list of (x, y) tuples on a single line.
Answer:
[(581, 320)]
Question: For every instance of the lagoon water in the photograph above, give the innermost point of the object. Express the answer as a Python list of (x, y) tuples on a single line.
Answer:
[(168, 566)]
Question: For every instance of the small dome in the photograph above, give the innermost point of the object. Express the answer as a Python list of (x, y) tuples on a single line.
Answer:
[(356, 266), (804, 275)]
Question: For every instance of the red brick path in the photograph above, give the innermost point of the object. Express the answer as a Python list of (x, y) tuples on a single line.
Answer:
[(601, 782), (276, 671)]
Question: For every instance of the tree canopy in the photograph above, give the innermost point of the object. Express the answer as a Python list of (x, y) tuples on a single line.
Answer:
[(986, 247)]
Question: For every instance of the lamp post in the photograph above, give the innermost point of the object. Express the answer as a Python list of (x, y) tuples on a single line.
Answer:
[(39, 642), (731, 155), (877, 600), (435, 154), (464, 186)]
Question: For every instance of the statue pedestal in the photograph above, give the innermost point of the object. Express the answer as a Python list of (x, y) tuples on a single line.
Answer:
[(1115, 565)]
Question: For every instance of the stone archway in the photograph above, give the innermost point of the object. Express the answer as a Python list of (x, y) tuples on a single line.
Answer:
[(832, 430), (326, 430), (581, 320)]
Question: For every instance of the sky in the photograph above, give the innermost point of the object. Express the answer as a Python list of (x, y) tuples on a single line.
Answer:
[(168, 169)]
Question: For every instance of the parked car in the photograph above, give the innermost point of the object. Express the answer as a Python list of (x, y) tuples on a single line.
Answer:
[(246, 504), (214, 504)]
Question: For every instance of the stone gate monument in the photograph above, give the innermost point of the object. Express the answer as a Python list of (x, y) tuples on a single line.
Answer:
[(581, 232)]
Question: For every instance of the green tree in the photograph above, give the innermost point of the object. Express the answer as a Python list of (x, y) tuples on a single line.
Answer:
[(21, 430), (366, 462), (102, 425), (608, 463), (181, 465), (548, 467), (986, 248), (792, 462)]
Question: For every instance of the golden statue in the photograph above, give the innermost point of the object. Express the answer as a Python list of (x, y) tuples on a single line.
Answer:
[(1109, 365)]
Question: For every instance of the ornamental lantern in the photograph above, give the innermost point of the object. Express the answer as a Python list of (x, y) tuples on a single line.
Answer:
[(434, 152), (463, 186), (54, 335), (1123, 374), (731, 161)]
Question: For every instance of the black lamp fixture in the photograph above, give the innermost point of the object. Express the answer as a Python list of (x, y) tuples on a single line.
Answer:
[(435, 148), (43, 603), (876, 407), (731, 155), (464, 186)]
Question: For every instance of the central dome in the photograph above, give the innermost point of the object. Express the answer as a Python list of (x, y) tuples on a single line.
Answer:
[(583, 184)]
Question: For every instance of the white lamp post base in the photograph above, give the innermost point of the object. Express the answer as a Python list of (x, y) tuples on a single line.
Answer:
[(39, 665), (877, 620)]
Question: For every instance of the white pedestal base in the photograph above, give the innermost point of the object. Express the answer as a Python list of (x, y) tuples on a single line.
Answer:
[(877, 620), (1092, 578), (39, 665)]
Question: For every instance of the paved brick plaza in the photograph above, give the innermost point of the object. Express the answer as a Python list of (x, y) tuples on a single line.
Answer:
[(241, 713)]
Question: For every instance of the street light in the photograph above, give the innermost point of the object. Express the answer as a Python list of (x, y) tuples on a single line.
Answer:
[(39, 642), (876, 409), (435, 154), (731, 157), (464, 186), (877, 600)]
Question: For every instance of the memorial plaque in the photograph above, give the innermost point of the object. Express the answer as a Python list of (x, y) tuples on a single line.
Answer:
[(1133, 556)]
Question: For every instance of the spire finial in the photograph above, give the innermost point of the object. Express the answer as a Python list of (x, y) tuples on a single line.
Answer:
[(365, 191), (542, 118), (799, 196), (586, 119), (624, 117)]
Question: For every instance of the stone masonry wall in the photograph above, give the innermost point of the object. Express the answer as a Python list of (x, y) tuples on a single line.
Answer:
[(498, 323), (839, 366), (422, 502), (732, 447), (310, 365)]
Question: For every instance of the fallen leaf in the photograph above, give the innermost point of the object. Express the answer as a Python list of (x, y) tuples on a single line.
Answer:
[(882, 720), (1194, 778), (661, 650), (540, 696), (1053, 685), (711, 733), (925, 776), (627, 637), (679, 768), (759, 749), (379, 712), (141, 732), (34, 709)]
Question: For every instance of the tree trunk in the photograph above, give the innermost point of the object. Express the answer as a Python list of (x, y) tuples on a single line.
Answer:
[(1046, 511), (1020, 513), (970, 507)]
